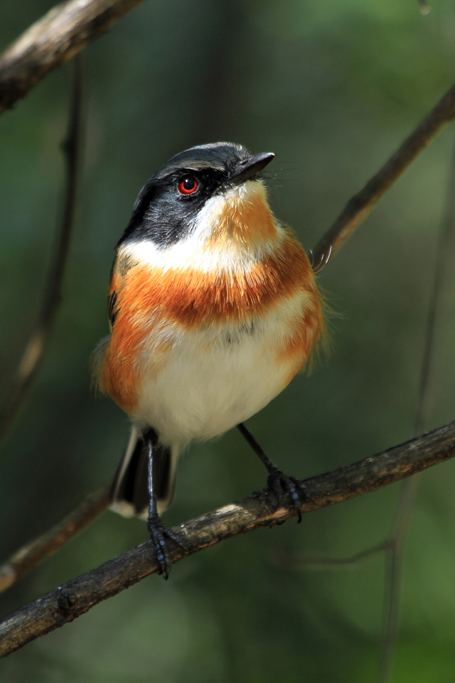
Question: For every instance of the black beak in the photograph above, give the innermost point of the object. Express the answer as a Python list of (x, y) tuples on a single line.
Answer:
[(251, 167)]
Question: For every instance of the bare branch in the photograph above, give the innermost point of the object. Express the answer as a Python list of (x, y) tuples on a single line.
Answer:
[(408, 493), (57, 37), (76, 597), (362, 203), (32, 554), (356, 210), (53, 40), (35, 346), (313, 562)]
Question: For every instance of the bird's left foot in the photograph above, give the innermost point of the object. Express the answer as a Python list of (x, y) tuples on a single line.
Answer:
[(280, 483), (159, 536)]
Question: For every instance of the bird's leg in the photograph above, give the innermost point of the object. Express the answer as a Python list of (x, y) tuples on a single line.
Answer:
[(155, 526), (158, 532), (277, 481)]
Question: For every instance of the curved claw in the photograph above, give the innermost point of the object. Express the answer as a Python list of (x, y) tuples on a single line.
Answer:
[(158, 536), (319, 261), (279, 483)]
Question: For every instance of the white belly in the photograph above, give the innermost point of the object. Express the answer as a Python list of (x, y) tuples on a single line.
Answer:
[(212, 379)]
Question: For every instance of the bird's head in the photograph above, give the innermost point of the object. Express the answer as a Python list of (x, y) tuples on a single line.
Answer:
[(211, 194)]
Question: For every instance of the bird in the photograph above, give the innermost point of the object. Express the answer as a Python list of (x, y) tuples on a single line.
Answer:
[(213, 308)]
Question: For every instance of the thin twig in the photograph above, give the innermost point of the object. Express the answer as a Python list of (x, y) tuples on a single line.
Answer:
[(57, 37), (21, 68), (361, 204), (76, 597), (355, 215), (409, 487), (35, 346), (32, 554), (316, 563), (441, 269)]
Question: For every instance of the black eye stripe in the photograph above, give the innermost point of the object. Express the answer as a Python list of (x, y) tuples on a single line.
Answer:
[(163, 213)]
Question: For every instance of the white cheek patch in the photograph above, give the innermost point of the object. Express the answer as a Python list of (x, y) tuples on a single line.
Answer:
[(192, 252), (189, 253)]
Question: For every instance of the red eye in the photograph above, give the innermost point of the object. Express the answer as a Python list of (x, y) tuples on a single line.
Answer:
[(188, 185)]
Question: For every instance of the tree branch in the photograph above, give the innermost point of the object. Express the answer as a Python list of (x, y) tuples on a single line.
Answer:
[(313, 562), (31, 554), (357, 208), (362, 203), (76, 597), (57, 37), (35, 346), (406, 501)]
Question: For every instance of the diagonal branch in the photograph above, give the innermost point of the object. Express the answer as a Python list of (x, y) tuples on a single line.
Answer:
[(57, 37), (35, 346), (362, 203), (358, 207), (76, 597), (396, 546), (31, 554)]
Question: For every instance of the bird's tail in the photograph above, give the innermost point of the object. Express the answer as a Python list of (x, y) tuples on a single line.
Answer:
[(129, 494)]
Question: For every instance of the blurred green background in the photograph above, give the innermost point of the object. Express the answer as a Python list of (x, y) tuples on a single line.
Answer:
[(332, 88)]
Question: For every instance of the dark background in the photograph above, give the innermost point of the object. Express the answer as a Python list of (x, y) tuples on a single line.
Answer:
[(332, 88)]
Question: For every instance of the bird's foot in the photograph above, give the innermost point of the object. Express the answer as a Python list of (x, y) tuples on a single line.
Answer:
[(159, 536), (280, 483)]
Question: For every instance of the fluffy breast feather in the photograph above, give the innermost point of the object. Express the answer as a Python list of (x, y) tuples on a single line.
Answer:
[(154, 307)]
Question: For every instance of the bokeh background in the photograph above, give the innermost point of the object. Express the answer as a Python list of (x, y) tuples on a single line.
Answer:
[(332, 88)]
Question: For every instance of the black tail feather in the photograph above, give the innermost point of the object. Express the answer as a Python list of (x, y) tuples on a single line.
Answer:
[(129, 495)]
